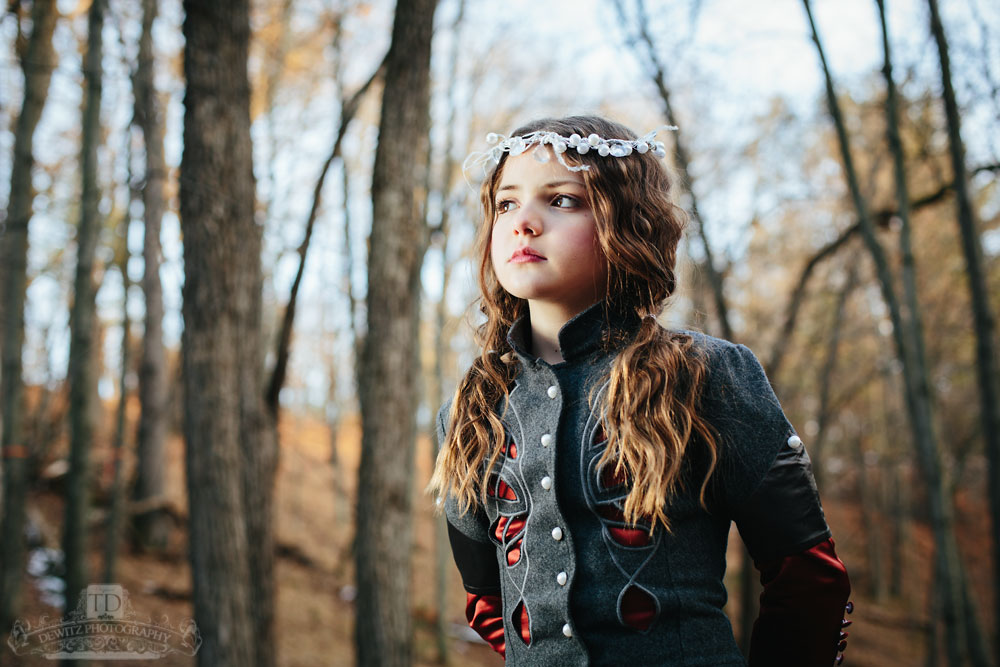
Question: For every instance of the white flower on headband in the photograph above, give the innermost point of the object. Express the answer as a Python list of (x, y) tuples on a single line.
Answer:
[(560, 145)]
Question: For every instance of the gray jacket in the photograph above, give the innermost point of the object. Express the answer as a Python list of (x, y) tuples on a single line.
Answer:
[(551, 539)]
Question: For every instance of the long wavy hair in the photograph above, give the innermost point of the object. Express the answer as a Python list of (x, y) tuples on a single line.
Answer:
[(650, 405)]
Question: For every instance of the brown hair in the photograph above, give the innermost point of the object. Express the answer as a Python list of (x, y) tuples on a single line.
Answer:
[(650, 406)]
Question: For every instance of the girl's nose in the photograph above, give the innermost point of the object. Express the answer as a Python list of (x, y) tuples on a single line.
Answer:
[(527, 221)]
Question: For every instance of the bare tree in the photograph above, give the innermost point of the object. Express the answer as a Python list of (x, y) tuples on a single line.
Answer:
[(335, 407), (826, 372), (152, 526), (917, 392), (435, 394), (36, 64), (389, 361), (283, 348), (982, 312), (83, 405), (262, 477), (112, 536), (914, 327), (658, 74), (229, 456)]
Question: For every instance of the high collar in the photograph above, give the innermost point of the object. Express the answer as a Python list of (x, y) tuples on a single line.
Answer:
[(600, 323)]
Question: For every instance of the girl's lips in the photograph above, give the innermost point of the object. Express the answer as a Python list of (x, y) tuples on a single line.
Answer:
[(524, 255)]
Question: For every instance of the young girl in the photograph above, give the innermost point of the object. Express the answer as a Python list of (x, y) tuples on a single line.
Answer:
[(591, 461)]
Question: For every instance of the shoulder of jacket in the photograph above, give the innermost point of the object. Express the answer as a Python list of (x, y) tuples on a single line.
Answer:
[(731, 366), (718, 351)]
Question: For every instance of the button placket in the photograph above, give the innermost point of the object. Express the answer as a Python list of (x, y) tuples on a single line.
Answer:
[(546, 480)]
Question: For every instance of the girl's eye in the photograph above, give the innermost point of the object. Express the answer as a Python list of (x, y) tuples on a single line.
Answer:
[(506, 206), (565, 201)]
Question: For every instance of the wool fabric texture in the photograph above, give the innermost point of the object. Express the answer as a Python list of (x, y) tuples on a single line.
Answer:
[(550, 539)]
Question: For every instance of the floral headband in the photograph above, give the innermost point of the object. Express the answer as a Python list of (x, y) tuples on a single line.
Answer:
[(560, 144)]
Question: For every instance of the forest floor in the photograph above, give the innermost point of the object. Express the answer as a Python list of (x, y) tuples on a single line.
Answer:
[(314, 568)]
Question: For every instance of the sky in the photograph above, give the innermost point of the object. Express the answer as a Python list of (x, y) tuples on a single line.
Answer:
[(726, 64)]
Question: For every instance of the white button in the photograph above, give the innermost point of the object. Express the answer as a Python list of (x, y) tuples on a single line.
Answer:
[(561, 578), (546, 482), (546, 440), (553, 391), (568, 631), (795, 442), (557, 533)]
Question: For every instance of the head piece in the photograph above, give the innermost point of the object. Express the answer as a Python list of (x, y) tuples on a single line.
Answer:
[(516, 145)]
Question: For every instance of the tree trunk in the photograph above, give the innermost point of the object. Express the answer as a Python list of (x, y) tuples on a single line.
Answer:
[(915, 324), (151, 528), (914, 327), (116, 514), (917, 393), (82, 372), (389, 361), (871, 511), (37, 67), (899, 535), (228, 452), (826, 374), (334, 410), (683, 161), (933, 642), (985, 321), (283, 348), (435, 395)]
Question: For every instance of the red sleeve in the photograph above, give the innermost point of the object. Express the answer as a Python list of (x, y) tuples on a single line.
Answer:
[(801, 610), (485, 616)]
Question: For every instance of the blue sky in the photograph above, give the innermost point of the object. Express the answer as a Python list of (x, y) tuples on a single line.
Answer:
[(727, 64)]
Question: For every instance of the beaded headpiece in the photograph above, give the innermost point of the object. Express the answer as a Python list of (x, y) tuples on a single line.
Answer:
[(560, 145)]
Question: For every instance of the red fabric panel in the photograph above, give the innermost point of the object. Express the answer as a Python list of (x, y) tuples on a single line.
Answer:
[(525, 629), (638, 608), (610, 479), (516, 526), (505, 491), (501, 489), (801, 608), (512, 450), (520, 620), (485, 616), (498, 531), (629, 537), (514, 554)]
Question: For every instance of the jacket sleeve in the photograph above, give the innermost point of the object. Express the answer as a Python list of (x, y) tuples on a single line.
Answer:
[(485, 616), (764, 477), (801, 620), (770, 493), (476, 559)]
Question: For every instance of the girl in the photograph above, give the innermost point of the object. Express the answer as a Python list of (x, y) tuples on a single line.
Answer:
[(591, 461)]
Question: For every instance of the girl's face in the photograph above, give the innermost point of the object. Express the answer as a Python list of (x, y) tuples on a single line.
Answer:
[(544, 243)]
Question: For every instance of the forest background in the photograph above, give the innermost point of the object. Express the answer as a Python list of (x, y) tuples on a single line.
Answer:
[(208, 206)]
